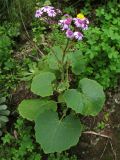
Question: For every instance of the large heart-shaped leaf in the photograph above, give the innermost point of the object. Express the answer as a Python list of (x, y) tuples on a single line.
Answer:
[(87, 102), (94, 93), (56, 135), (42, 84), (31, 108)]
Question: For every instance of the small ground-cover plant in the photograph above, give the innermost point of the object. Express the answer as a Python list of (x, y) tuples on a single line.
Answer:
[(61, 157), (102, 43), (8, 32), (19, 144), (62, 96), (3, 113), (8, 65)]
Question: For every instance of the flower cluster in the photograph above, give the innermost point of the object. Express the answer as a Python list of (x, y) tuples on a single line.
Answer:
[(80, 22), (72, 26), (49, 10)]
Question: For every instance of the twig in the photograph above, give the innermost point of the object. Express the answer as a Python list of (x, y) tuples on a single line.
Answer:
[(97, 134), (27, 34), (104, 149), (109, 140), (114, 153)]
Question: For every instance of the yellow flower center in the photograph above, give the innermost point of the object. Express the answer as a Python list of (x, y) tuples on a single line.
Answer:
[(80, 16)]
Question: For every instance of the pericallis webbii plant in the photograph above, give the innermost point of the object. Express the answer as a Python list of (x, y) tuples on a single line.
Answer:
[(3, 113), (62, 98)]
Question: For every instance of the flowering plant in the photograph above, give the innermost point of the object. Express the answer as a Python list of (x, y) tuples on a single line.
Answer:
[(78, 24), (61, 98)]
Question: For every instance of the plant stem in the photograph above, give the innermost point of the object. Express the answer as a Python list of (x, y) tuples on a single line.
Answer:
[(63, 69), (64, 114), (67, 74), (65, 51)]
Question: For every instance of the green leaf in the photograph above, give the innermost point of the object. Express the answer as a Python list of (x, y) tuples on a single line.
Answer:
[(30, 109), (42, 84), (3, 119), (94, 93), (61, 98), (2, 100), (54, 58), (56, 135), (3, 107), (73, 99), (4, 112), (78, 62), (87, 102)]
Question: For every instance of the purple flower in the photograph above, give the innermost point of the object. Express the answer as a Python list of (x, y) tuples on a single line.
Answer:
[(65, 23), (47, 8), (65, 27), (38, 13), (78, 35), (69, 34), (78, 22), (81, 23), (68, 21), (51, 13), (84, 26)]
